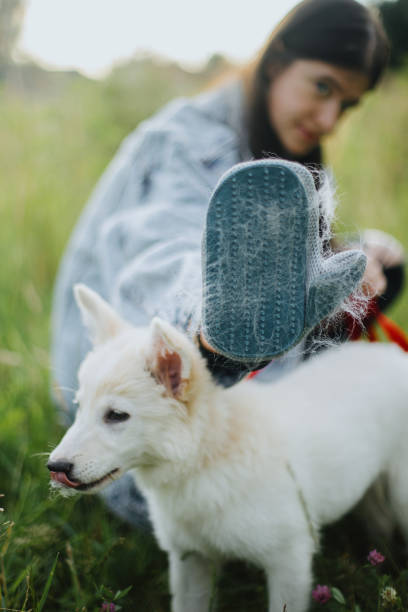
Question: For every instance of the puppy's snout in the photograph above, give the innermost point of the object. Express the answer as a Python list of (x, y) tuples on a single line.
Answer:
[(61, 472), (60, 466)]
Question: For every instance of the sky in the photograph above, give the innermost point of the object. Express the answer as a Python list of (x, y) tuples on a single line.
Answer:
[(91, 35)]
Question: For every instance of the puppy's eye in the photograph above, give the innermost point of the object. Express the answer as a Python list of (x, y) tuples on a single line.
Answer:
[(115, 416)]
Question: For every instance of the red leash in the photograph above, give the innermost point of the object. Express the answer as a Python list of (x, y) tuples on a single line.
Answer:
[(252, 374), (375, 317), (393, 332)]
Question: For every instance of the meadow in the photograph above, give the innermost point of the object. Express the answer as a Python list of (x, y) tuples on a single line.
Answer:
[(63, 555)]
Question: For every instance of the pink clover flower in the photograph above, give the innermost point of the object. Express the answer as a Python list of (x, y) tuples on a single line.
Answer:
[(375, 558), (321, 594)]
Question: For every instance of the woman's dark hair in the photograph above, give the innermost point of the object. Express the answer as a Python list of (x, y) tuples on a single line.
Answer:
[(340, 32)]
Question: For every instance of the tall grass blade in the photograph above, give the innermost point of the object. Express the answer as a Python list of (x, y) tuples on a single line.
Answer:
[(47, 586)]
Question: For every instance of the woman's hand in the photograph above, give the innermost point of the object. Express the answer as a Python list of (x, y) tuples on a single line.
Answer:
[(383, 251), (374, 282)]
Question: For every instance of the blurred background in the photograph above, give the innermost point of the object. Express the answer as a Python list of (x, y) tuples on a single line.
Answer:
[(76, 76)]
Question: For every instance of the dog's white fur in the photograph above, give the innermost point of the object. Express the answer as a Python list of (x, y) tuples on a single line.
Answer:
[(251, 472)]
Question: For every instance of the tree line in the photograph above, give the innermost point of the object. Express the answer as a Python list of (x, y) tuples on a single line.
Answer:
[(394, 14)]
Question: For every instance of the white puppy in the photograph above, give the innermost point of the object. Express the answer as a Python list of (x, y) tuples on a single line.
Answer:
[(251, 472)]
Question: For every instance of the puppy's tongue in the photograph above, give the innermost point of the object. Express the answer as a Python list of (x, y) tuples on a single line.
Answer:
[(63, 479)]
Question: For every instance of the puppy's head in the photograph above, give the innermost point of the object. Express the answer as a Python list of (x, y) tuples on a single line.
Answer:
[(136, 400)]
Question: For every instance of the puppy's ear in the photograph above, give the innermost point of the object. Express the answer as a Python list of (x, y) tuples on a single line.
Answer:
[(100, 320), (169, 359)]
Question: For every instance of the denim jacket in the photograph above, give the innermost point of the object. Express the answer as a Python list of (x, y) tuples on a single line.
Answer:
[(138, 240)]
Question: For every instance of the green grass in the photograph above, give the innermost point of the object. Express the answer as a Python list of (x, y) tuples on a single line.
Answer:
[(369, 156), (58, 554)]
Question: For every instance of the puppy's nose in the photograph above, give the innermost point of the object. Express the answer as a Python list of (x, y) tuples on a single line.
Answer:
[(60, 466)]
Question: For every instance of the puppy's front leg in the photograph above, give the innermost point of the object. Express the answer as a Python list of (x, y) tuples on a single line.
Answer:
[(191, 582), (290, 579)]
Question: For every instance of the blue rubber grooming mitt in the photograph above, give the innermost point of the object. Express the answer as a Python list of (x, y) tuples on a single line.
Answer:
[(265, 281)]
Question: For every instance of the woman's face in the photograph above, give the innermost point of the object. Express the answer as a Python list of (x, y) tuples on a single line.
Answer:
[(308, 98)]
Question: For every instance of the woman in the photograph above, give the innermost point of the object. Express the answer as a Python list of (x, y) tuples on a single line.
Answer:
[(138, 242)]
